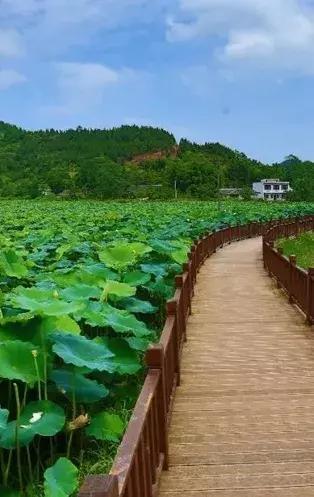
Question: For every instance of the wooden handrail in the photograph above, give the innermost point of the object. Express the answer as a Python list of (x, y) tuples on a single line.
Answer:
[(296, 281)]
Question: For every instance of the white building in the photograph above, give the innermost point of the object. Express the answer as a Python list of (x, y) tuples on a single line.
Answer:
[(271, 189)]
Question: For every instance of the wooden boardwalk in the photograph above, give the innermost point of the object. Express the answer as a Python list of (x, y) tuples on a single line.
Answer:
[(243, 420)]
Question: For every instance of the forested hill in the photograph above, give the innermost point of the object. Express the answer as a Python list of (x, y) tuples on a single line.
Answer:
[(127, 162)]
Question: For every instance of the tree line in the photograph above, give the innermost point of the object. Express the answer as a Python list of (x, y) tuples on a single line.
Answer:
[(95, 163)]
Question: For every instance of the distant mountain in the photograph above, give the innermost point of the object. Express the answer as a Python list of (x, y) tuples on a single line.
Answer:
[(97, 163)]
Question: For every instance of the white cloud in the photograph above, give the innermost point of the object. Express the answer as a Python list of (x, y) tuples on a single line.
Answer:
[(85, 77), (9, 77), (83, 86), (279, 33), (10, 43)]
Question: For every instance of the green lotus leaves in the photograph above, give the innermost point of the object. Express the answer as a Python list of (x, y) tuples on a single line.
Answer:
[(123, 254), (82, 352), (8, 439), (12, 264), (84, 389), (43, 302), (95, 273), (104, 315), (80, 292), (125, 359), (140, 344), (45, 417), (179, 256), (59, 324), (42, 418), (4, 414), (137, 306), (136, 278), (106, 426), (61, 480), (124, 322), (118, 289), (158, 270), (17, 361)]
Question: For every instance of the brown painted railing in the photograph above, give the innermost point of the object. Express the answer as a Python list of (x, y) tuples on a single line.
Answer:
[(297, 282), (143, 452)]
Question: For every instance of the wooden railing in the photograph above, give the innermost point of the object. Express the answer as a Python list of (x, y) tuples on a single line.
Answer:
[(297, 282), (143, 452)]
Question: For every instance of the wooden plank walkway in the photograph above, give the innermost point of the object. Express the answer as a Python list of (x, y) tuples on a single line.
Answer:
[(243, 420)]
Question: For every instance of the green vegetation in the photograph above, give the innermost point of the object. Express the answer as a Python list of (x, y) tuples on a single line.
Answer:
[(302, 247), (85, 163), (82, 293)]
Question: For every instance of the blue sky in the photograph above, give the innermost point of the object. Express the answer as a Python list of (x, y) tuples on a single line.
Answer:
[(240, 72)]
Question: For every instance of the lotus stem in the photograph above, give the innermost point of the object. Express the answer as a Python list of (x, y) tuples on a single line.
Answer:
[(69, 444), (7, 471), (25, 396), (30, 469), (35, 354), (2, 464), (45, 366), (18, 449), (73, 418)]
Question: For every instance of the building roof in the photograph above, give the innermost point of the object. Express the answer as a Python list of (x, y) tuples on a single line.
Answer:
[(274, 180)]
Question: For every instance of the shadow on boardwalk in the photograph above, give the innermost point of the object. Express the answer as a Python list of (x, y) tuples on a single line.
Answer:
[(243, 420)]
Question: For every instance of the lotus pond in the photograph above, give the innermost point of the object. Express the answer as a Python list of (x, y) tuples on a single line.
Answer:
[(82, 293)]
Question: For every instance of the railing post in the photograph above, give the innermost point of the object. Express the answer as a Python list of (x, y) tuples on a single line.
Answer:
[(230, 235), (214, 242), (155, 359), (310, 296), (187, 269), (193, 260), (293, 262), (180, 309), (278, 282), (100, 486), (172, 310)]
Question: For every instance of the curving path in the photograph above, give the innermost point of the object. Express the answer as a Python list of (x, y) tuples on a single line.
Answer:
[(243, 420)]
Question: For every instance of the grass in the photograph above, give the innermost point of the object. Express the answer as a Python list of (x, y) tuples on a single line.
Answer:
[(302, 247)]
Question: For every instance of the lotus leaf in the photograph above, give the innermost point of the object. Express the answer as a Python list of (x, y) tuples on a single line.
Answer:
[(137, 306), (80, 292), (136, 278), (4, 414), (125, 359), (12, 264), (123, 255), (179, 256), (82, 352), (104, 315), (140, 344), (61, 480), (155, 269), (105, 426), (43, 302), (42, 418), (118, 289), (11, 365), (85, 389), (59, 324)]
